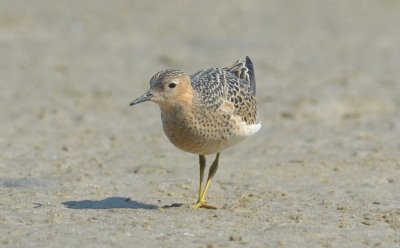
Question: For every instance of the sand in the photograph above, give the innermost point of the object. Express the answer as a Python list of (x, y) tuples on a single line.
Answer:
[(80, 168)]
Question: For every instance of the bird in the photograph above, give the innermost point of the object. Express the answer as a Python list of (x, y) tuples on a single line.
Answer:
[(206, 112)]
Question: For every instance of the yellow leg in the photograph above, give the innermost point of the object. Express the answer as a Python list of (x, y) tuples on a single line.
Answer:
[(202, 162), (201, 203)]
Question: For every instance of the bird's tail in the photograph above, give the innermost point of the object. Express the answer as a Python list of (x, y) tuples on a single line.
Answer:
[(244, 70)]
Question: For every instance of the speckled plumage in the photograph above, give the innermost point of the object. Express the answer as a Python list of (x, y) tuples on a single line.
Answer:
[(209, 111)]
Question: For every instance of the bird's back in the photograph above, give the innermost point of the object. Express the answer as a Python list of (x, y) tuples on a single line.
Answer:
[(245, 71), (231, 87)]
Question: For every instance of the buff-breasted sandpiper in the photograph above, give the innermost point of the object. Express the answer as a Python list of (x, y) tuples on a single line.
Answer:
[(207, 112)]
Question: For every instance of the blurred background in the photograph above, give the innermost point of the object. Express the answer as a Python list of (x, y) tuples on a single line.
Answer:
[(67, 66)]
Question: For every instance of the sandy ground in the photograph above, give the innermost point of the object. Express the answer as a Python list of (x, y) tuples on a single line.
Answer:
[(80, 168)]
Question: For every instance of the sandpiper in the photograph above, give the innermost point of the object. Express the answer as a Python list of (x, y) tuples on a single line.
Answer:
[(206, 112)]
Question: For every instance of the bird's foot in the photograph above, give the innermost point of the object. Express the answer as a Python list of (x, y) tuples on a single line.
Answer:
[(203, 205)]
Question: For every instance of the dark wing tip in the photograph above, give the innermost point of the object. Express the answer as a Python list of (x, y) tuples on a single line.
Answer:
[(250, 70), (248, 60)]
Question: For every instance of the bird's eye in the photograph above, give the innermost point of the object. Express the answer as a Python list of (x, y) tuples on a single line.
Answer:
[(172, 85)]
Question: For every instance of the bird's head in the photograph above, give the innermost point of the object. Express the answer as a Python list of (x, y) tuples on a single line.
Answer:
[(168, 88)]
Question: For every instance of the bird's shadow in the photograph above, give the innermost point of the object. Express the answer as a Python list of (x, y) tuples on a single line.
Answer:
[(109, 203)]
